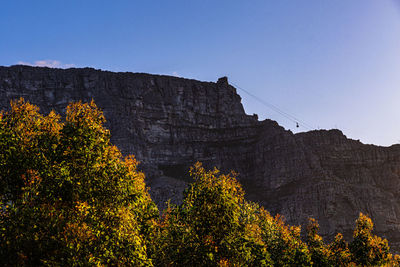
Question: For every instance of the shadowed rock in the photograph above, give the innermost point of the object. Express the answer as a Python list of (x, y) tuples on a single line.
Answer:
[(169, 123)]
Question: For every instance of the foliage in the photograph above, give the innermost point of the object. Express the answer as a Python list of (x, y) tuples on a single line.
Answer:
[(334, 254), (216, 226), (213, 226), (368, 249), (320, 252), (68, 196), (283, 241), (340, 254)]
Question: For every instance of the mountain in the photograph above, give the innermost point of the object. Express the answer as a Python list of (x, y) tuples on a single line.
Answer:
[(169, 123)]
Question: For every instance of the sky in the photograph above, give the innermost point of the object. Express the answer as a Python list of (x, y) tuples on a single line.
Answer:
[(329, 64)]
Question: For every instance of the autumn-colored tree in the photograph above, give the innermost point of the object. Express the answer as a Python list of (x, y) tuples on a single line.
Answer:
[(283, 242), (340, 253), (320, 252), (67, 195), (211, 227), (368, 249)]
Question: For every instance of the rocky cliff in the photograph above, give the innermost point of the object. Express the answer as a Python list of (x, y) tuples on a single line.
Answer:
[(169, 123)]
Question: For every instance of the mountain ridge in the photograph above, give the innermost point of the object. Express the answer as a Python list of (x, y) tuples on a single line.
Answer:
[(170, 122)]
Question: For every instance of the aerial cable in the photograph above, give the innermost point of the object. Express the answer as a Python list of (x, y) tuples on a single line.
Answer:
[(288, 116)]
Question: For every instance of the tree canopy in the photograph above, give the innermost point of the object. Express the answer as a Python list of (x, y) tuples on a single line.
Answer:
[(69, 197)]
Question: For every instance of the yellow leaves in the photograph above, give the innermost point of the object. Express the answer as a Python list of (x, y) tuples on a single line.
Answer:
[(21, 107), (395, 260), (253, 228), (363, 223), (82, 208), (131, 163), (26, 124), (367, 248), (295, 231), (85, 114), (211, 179), (128, 226), (52, 123), (54, 164), (133, 177)]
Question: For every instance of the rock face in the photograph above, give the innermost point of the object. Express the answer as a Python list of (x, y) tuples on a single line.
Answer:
[(169, 123)]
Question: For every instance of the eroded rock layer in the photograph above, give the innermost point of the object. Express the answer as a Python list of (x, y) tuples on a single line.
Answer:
[(169, 123)]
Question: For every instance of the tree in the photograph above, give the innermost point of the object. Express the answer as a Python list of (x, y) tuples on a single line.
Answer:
[(340, 253), (368, 249), (213, 226), (67, 195), (334, 254), (283, 242)]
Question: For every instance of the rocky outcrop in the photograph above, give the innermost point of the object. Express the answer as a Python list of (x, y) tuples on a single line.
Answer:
[(169, 123)]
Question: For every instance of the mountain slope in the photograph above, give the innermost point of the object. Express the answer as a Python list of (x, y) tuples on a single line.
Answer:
[(169, 123)]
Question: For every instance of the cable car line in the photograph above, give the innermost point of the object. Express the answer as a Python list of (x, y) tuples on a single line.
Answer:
[(288, 116)]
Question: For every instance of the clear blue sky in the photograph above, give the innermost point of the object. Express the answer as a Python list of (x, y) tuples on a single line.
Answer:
[(333, 64)]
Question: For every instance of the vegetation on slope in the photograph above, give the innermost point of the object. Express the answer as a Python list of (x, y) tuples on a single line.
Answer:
[(68, 197)]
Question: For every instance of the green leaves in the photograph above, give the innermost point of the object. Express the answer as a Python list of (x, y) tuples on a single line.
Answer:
[(72, 197), (211, 227), (368, 249), (216, 226), (68, 197)]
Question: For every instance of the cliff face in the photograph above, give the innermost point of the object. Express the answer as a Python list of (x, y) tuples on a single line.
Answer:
[(169, 123)]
